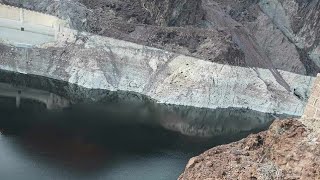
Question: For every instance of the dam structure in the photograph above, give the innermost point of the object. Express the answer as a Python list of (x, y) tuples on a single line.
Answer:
[(26, 28), (43, 45)]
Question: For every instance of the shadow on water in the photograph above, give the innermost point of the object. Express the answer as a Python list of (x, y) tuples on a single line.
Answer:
[(109, 134)]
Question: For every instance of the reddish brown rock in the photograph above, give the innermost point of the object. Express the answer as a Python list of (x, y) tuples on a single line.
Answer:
[(288, 150)]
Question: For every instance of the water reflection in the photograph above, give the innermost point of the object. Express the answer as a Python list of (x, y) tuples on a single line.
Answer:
[(132, 107), (87, 139), (46, 143), (188, 121), (90, 131), (212, 122), (51, 100), (109, 135)]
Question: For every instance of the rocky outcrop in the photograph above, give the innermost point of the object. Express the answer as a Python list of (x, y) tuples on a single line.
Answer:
[(288, 150)]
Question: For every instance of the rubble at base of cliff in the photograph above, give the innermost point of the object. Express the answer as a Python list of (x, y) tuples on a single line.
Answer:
[(288, 150)]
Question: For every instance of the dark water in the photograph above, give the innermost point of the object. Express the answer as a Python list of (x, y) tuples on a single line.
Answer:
[(107, 135), (108, 141)]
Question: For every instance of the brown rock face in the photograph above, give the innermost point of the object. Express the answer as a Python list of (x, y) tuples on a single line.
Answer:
[(288, 150), (235, 32)]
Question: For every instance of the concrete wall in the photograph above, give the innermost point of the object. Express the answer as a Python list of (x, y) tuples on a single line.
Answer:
[(8, 12), (36, 18), (312, 110), (22, 26), (29, 17)]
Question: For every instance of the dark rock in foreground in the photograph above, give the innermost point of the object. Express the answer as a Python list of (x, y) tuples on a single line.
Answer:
[(288, 150)]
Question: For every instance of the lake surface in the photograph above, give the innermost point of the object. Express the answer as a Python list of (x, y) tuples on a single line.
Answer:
[(111, 141)]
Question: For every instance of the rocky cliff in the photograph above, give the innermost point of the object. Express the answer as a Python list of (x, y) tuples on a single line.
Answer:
[(259, 55), (255, 32), (104, 63)]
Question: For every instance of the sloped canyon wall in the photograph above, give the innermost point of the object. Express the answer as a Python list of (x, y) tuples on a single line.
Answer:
[(210, 53)]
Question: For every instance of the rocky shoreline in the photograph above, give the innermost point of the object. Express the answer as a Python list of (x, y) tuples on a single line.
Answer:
[(289, 149)]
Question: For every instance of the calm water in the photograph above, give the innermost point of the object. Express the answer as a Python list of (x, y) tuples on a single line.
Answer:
[(110, 141)]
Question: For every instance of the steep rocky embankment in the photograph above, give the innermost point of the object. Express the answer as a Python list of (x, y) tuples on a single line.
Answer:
[(103, 63), (288, 150), (207, 53), (210, 53)]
